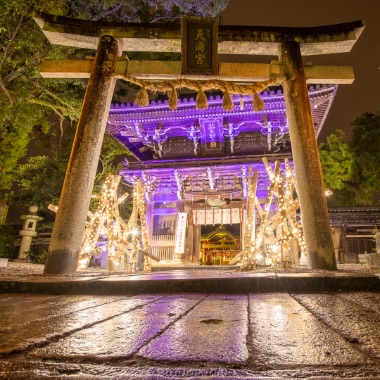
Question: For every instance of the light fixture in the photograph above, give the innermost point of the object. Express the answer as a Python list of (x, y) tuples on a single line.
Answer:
[(216, 202)]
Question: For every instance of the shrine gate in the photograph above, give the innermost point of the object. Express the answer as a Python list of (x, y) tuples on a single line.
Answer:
[(110, 40)]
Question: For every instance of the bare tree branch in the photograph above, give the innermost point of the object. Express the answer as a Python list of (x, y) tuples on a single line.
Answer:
[(108, 12), (165, 18), (10, 41), (57, 98), (52, 107), (14, 74), (6, 92), (5, 56)]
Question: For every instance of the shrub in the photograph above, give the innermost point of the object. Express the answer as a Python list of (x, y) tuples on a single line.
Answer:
[(37, 256), (8, 236)]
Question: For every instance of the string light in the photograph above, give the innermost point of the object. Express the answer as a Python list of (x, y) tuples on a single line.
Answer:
[(275, 232), (107, 223)]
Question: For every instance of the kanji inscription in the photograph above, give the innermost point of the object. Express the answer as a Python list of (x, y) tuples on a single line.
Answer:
[(199, 45)]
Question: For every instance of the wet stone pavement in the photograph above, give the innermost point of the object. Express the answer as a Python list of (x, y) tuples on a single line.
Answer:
[(191, 336)]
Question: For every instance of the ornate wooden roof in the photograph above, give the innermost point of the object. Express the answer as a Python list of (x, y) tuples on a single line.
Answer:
[(173, 147), (156, 132), (188, 153)]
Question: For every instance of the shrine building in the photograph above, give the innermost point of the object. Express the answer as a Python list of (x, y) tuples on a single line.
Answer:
[(195, 162)]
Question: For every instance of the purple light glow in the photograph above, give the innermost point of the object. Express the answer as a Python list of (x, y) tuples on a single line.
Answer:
[(156, 133), (187, 156)]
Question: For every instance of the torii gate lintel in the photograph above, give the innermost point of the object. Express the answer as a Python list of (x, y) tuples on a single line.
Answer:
[(232, 39)]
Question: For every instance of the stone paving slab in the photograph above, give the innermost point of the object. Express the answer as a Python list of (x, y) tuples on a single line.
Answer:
[(283, 331), (191, 336), (357, 324), (18, 338), (215, 330), (42, 308), (368, 300), (123, 335)]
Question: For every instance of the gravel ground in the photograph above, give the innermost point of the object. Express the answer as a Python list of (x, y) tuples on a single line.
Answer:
[(21, 269)]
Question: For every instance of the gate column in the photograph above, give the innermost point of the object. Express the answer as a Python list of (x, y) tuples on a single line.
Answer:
[(310, 187), (76, 192)]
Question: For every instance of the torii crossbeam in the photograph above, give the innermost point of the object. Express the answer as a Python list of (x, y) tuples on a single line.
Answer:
[(111, 39)]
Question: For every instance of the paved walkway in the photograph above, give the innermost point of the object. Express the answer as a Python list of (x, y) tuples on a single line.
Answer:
[(198, 324), (190, 281), (191, 336)]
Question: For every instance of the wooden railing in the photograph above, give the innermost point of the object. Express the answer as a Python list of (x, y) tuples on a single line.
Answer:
[(163, 238), (164, 253), (162, 246)]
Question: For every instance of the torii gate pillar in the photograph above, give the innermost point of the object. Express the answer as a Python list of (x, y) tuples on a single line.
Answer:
[(310, 188), (76, 192)]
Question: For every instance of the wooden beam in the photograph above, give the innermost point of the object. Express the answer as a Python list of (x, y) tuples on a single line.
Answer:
[(247, 40), (166, 70)]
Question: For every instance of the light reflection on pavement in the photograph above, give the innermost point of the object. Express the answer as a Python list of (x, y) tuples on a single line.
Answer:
[(208, 336), (186, 274)]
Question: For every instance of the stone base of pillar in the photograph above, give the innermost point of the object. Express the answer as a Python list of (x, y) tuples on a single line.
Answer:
[(25, 244), (3, 262), (61, 262), (373, 260), (179, 258), (22, 255), (377, 238)]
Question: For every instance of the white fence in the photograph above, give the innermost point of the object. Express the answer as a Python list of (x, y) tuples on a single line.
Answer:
[(162, 246)]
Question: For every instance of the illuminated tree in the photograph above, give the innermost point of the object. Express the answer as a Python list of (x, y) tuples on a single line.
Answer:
[(121, 238)]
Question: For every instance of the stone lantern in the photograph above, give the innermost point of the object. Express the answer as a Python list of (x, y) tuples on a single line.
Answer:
[(28, 231)]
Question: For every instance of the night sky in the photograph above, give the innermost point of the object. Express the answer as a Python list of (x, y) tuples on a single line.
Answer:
[(351, 100)]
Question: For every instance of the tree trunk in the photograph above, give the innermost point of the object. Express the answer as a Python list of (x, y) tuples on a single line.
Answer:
[(3, 211), (310, 185), (75, 197)]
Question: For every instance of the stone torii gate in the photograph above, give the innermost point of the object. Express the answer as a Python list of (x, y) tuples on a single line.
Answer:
[(111, 39)]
